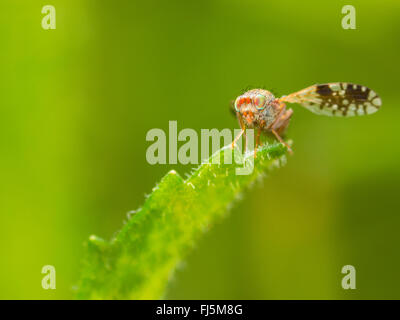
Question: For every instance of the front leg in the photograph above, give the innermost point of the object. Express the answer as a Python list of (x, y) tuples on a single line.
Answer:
[(257, 142), (282, 141), (280, 125)]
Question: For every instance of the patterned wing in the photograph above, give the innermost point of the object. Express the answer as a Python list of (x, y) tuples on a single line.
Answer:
[(336, 99)]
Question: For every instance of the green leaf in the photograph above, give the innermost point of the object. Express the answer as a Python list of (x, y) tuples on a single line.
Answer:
[(141, 259)]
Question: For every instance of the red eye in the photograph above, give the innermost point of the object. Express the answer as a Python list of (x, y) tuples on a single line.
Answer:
[(259, 101)]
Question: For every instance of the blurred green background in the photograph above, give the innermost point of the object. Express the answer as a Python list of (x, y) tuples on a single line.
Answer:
[(77, 102)]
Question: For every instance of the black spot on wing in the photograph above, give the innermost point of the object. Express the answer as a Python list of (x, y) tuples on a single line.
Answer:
[(324, 90), (354, 92)]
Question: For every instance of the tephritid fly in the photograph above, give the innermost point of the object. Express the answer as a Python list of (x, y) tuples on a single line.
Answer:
[(259, 109)]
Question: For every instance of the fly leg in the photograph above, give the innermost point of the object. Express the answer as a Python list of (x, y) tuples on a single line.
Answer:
[(281, 140), (280, 125), (257, 142)]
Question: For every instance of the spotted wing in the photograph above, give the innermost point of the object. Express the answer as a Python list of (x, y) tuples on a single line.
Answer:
[(336, 99)]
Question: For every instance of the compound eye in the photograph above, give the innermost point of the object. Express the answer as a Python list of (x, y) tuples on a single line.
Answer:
[(237, 104), (259, 101)]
